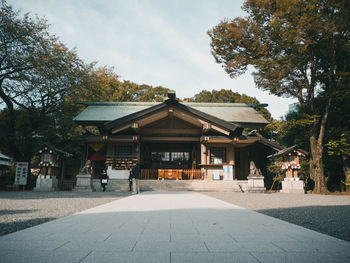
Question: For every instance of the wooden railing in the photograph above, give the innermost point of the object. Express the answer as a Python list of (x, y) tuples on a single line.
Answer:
[(150, 174), (67, 185), (187, 174), (191, 174)]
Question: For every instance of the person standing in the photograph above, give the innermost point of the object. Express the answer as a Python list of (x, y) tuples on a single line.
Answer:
[(104, 179), (131, 175), (134, 173)]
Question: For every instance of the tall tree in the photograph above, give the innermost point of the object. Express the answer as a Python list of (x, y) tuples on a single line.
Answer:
[(299, 48), (36, 71)]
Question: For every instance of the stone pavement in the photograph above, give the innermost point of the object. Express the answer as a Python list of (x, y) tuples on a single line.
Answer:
[(170, 227)]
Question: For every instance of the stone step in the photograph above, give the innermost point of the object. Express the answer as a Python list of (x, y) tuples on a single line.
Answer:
[(112, 185), (190, 185)]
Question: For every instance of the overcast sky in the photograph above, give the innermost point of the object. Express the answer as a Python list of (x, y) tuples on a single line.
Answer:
[(153, 42)]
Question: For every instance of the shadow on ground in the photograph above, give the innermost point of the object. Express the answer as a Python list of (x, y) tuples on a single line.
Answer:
[(330, 220), (10, 227), (13, 212), (21, 195)]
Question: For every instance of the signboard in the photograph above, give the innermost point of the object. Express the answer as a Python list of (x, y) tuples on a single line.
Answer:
[(117, 174), (216, 174), (227, 172), (21, 173)]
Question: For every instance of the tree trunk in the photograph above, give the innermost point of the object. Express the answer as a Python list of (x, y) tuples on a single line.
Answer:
[(316, 147), (11, 133), (316, 166), (346, 167)]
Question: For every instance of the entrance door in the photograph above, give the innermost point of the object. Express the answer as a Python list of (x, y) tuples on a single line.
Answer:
[(170, 160), (241, 163), (168, 156)]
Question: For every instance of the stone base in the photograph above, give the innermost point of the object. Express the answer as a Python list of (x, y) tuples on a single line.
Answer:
[(113, 185), (292, 186), (46, 184), (256, 184), (135, 186), (83, 183)]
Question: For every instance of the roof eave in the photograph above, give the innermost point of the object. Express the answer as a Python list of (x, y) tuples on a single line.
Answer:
[(171, 102)]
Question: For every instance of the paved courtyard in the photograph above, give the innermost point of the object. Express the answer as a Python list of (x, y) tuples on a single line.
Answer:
[(170, 227)]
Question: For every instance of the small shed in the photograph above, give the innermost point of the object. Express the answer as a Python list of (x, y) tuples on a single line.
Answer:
[(5, 162), (291, 165), (291, 160), (51, 160)]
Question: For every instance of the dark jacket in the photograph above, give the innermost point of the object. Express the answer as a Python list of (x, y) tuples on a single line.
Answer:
[(103, 176), (136, 171)]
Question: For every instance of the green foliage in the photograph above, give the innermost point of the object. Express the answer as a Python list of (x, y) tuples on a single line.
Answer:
[(299, 49), (340, 147), (36, 71), (275, 166)]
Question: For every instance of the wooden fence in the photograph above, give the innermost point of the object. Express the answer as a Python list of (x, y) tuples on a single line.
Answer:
[(67, 185), (191, 174), (187, 174), (150, 174)]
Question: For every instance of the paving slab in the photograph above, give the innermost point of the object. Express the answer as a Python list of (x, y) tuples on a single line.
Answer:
[(170, 227)]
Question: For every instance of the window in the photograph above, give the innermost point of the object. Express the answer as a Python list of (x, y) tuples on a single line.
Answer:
[(160, 156), (186, 156), (217, 155), (293, 159), (123, 150), (165, 156), (154, 156), (177, 156), (47, 157)]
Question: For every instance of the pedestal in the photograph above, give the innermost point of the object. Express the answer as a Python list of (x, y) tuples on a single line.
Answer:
[(135, 186), (84, 183), (46, 183), (256, 184), (292, 186)]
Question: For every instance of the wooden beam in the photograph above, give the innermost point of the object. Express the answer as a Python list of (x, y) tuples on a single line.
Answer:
[(173, 139), (198, 122), (171, 131), (206, 127), (121, 128), (152, 118), (186, 117), (226, 132)]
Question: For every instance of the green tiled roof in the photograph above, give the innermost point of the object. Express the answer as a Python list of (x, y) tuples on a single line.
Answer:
[(4, 157), (5, 160), (239, 113)]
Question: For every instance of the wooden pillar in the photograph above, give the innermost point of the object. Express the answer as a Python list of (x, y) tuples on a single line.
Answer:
[(203, 160), (233, 162), (203, 154)]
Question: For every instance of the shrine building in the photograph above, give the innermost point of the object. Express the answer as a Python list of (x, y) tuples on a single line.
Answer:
[(186, 141)]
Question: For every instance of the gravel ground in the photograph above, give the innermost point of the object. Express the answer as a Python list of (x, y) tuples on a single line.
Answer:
[(19, 210), (328, 214)]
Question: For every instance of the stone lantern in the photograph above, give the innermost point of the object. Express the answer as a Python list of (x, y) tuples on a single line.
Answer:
[(291, 165), (51, 162)]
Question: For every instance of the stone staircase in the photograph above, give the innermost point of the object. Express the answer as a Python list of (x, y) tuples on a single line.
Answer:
[(192, 185), (112, 186)]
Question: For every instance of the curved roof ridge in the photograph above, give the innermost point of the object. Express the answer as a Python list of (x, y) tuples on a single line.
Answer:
[(147, 103)]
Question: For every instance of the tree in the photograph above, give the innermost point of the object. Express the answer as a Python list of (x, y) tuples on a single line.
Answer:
[(299, 49), (37, 72)]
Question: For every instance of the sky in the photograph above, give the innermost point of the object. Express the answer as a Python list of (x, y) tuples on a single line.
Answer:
[(154, 42)]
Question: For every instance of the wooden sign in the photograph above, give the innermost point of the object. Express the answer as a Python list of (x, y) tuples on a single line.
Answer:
[(21, 173)]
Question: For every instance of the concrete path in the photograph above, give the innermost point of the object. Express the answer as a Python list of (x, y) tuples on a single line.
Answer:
[(170, 227)]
